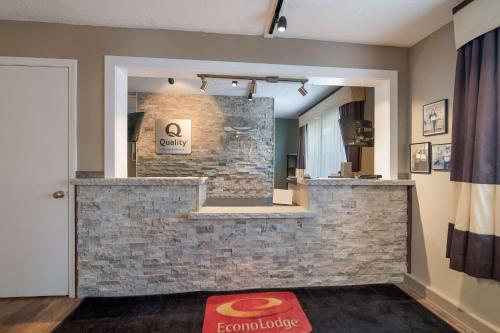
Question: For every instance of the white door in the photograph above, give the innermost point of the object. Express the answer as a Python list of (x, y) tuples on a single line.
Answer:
[(33, 165)]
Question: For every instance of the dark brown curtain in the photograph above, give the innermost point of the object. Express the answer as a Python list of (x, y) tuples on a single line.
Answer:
[(301, 151), (473, 235), (354, 111)]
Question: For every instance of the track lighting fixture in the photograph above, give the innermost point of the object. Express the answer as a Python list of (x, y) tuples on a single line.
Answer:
[(302, 90), (278, 21), (252, 82), (203, 86), (171, 80), (252, 89), (281, 24)]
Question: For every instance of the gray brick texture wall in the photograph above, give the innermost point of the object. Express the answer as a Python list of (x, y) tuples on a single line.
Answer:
[(138, 240), (236, 168)]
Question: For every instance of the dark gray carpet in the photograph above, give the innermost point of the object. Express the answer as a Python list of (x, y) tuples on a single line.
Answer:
[(353, 309)]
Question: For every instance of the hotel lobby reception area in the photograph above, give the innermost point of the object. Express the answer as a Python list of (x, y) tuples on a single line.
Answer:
[(266, 166)]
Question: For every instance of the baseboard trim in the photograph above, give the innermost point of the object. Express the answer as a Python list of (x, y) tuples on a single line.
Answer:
[(443, 307)]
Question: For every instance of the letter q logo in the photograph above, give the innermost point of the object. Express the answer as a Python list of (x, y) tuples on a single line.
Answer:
[(173, 129)]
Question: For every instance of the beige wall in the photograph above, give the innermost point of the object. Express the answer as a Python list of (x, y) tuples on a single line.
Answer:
[(432, 71), (89, 45), (370, 104)]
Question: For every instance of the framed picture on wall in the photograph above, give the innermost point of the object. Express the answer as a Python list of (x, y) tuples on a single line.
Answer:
[(441, 157), (420, 157), (435, 118)]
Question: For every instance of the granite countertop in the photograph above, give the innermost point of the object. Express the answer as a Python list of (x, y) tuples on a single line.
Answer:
[(357, 182), (255, 212), (139, 181)]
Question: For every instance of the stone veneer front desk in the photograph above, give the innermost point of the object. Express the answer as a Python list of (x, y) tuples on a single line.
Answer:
[(141, 236)]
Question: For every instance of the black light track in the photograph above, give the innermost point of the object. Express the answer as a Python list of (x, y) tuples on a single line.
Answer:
[(276, 16), (460, 6), (270, 79)]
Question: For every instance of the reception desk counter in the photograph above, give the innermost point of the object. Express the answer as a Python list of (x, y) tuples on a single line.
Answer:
[(141, 236)]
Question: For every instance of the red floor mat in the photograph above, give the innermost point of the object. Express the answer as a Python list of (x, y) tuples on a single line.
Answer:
[(270, 312)]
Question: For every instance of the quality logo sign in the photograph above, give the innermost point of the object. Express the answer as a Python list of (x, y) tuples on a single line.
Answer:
[(269, 312), (173, 136)]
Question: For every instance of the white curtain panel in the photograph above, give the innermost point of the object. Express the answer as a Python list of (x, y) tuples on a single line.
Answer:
[(333, 151), (313, 148), (324, 147)]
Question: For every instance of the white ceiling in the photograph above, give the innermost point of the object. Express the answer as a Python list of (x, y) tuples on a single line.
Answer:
[(380, 22), (288, 103)]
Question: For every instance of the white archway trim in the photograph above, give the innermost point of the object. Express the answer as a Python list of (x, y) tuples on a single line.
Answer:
[(117, 70)]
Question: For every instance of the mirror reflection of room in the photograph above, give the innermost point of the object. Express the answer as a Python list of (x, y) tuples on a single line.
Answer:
[(250, 138), (337, 135)]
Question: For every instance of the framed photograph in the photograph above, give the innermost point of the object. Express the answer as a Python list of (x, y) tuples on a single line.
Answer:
[(435, 118), (441, 157), (420, 157)]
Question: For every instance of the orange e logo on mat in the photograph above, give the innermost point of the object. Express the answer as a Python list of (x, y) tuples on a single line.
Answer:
[(253, 307), (269, 312)]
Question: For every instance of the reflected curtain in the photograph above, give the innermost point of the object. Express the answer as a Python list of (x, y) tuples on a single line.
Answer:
[(474, 231), (332, 152), (301, 152), (324, 147), (313, 148), (353, 111)]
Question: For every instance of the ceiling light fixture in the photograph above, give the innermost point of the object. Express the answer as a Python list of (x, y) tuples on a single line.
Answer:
[(269, 79), (302, 89), (203, 86), (252, 89), (282, 24), (252, 81), (278, 21), (171, 80)]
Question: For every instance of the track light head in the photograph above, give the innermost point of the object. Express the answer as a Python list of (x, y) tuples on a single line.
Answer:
[(203, 86), (252, 89), (281, 24), (171, 80), (234, 83), (302, 90)]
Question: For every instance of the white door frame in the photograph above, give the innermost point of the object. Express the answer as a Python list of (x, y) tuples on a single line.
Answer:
[(118, 69), (71, 65)]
